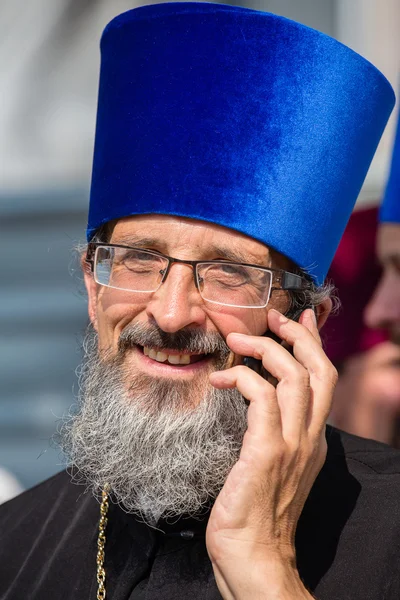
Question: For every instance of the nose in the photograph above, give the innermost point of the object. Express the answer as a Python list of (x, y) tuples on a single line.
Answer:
[(383, 310), (177, 303)]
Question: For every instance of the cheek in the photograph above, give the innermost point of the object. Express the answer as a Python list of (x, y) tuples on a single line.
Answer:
[(396, 290), (115, 310), (229, 320), (384, 384)]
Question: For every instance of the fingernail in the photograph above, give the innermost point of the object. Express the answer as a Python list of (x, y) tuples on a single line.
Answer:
[(282, 318), (242, 338), (219, 378), (314, 316), (238, 335)]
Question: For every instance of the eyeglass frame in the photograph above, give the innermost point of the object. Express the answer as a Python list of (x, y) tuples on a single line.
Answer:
[(288, 281)]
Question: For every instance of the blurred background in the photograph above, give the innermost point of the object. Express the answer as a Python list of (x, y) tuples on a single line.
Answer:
[(49, 64)]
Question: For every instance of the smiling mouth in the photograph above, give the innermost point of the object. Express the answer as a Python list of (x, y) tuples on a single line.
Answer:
[(176, 359)]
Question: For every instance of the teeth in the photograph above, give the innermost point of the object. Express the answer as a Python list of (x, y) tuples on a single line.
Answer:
[(173, 359)]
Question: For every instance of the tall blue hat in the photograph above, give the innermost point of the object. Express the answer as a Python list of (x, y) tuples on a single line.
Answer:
[(390, 209), (235, 117)]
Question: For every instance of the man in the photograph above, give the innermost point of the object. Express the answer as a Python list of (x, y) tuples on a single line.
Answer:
[(367, 397), (230, 148), (384, 309)]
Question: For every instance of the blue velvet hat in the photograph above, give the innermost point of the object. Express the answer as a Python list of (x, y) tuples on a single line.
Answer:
[(390, 209), (235, 117)]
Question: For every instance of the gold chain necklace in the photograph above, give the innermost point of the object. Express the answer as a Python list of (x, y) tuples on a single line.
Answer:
[(101, 543)]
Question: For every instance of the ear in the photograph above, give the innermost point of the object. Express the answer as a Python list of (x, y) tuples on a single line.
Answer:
[(323, 311), (91, 289)]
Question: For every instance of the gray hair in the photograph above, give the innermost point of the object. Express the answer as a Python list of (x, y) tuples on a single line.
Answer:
[(312, 294)]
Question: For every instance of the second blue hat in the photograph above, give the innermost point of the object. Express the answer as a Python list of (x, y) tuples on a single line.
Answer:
[(390, 209)]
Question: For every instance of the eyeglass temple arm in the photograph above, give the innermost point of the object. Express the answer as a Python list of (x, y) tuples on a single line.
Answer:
[(291, 281), (90, 256)]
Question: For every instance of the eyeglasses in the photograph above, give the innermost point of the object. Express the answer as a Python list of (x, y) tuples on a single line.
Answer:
[(220, 282)]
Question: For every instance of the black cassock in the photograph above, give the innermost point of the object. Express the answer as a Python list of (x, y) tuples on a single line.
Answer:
[(348, 539)]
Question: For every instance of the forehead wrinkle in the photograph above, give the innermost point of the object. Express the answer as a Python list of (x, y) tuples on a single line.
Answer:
[(145, 241), (237, 255), (132, 239)]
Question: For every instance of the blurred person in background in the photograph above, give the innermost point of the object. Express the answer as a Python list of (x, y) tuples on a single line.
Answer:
[(221, 187), (9, 486), (367, 396), (383, 311)]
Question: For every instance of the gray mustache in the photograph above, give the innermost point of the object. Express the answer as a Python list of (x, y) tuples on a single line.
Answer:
[(186, 340)]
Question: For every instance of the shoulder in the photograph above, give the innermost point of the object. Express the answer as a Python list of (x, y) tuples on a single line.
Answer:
[(38, 505), (363, 456), (358, 488), (44, 529), (359, 483), (348, 535), (50, 489)]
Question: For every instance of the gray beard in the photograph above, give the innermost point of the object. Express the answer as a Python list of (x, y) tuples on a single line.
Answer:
[(165, 448)]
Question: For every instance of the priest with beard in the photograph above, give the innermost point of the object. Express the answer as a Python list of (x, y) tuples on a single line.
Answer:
[(230, 148)]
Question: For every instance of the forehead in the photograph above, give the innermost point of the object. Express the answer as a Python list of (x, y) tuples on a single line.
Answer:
[(196, 239)]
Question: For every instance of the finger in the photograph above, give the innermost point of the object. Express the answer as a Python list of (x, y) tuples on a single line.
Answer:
[(313, 407), (293, 389), (306, 348), (264, 417), (308, 351), (308, 319)]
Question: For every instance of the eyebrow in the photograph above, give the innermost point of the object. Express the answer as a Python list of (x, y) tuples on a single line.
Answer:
[(230, 254)]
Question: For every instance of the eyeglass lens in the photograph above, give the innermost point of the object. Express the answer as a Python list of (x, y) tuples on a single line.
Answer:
[(233, 284), (129, 269)]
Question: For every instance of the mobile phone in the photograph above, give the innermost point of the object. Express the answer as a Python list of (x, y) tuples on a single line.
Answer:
[(256, 365)]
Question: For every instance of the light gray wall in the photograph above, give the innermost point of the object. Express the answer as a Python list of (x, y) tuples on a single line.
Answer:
[(42, 313), (319, 14)]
